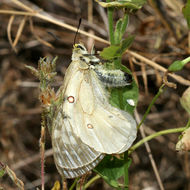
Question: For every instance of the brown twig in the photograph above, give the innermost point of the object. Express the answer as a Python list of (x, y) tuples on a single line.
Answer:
[(12, 17), (144, 75), (149, 153), (30, 159), (19, 31), (13, 176), (42, 150)]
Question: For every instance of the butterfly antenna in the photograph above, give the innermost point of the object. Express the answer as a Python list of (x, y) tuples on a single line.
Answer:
[(80, 20)]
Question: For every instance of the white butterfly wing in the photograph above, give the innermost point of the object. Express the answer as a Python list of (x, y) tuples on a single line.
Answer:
[(73, 158), (97, 123)]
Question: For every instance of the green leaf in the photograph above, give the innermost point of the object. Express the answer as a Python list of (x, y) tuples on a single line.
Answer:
[(110, 52), (125, 21), (111, 169), (115, 51), (126, 43), (128, 4), (120, 29), (2, 172), (186, 12), (125, 98), (178, 65), (117, 33)]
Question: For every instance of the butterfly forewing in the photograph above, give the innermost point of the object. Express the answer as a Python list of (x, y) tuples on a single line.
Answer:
[(73, 158)]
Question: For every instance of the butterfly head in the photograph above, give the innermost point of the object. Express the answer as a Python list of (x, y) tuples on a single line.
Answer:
[(81, 53), (78, 51)]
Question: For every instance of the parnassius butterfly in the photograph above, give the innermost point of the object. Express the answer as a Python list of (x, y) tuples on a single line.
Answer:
[(86, 126)]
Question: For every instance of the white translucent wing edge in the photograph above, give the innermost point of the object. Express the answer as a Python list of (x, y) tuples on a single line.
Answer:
[(113, 129), (68, 74), (73, 173), (73, 158)]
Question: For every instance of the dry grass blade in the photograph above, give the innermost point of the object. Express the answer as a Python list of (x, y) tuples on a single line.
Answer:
[(13, 176), (30, 159), (153, 163), (90, 41), (37, 37), (22, 5), (9, 31), (133, 70), (143, 69), (159, 67), (163, 17), (158, 78), (19, 31), (12, 12)]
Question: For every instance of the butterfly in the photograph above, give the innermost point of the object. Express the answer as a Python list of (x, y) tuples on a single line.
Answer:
[(85, 125)]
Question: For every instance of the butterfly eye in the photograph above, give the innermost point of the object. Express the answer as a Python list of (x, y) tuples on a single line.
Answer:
[(80, 47)]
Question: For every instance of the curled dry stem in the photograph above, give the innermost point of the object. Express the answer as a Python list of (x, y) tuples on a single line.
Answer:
[(12, 175)]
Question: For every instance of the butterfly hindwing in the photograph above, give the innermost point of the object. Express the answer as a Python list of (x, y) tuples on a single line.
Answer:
[(105, 128)]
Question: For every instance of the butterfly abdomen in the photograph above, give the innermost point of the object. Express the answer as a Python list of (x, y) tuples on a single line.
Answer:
[(113, 78)]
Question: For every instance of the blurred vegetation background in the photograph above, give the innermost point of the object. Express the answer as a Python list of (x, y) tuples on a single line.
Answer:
[(33, 29)]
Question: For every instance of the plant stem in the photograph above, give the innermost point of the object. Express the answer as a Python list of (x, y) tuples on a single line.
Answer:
[(164, 132), (73, 185), (92, 181), (110, 22), (42, 150), (126, 173), (151, 104), (188, 124)]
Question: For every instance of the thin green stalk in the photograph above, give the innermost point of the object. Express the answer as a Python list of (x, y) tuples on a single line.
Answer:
[(185, 61), (126, 173), (188, 123), (74, 184), (151, 104), (164, 132), (91, 181), (110, 22)]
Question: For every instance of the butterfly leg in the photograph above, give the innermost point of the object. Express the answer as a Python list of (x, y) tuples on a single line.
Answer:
[(82, 180)]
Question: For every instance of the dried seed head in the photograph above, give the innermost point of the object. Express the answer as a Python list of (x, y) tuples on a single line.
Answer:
[(184, 143)]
